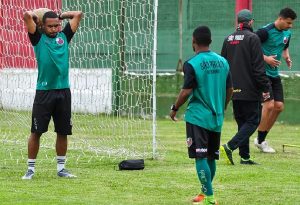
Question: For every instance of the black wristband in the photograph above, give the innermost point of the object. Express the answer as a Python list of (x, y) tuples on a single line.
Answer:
[(174, 108)]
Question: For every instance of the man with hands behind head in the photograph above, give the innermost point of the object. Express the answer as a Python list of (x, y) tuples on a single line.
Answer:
[(53, 96)]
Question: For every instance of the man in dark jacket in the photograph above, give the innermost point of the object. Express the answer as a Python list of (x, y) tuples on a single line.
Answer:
[(242, 49)]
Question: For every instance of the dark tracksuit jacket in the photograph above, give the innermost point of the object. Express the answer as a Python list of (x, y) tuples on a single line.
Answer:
[(242, 49)]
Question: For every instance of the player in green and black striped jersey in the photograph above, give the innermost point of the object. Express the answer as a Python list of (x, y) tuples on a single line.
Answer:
[(53, 96), (275, 38)]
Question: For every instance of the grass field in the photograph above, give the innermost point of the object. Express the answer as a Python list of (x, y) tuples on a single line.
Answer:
[(169, 180)]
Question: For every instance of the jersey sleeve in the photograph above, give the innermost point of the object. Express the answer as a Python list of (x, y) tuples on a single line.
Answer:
[(262, 34), (35, 38), (287, 44), (68, 32), (189, 76)]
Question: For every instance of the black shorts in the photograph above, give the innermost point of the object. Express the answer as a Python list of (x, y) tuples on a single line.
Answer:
[(201, 142), (276, 91), (55, 104)]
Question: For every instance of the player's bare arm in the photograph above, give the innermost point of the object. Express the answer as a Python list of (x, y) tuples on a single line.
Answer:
[(229, 92), (287, 58), (272, 61), (31, 21), (181, 99), (74, 16)]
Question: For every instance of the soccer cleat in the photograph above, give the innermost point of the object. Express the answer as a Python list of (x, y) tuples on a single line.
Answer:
[(29, 174), (199, 198), (227, 153), (207, 202), (248, 162), (65, 173), (264, 147)]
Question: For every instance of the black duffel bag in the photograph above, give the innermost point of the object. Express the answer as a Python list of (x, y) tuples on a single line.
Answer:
[(132, 164)]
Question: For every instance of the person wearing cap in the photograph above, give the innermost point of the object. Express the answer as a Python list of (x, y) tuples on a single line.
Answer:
[(242, 49), (207, 88), (275, 38)]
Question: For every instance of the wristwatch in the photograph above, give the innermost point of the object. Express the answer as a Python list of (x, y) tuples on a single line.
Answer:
[(174, 108)]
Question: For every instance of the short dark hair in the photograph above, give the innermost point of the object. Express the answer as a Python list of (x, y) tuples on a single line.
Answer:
[(49, 14), (288, 13), (202, 35)]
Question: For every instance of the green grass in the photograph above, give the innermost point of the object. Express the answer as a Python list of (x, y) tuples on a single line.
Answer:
[(169, 180)]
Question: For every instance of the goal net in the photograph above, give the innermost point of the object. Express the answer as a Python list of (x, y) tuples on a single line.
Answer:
[(112, 79)]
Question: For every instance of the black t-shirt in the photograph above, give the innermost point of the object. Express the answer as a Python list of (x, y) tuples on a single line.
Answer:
[(35, 38)]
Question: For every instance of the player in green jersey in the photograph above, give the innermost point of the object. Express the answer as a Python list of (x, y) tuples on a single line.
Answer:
[(53, 96), (275, 38), (208, 89)]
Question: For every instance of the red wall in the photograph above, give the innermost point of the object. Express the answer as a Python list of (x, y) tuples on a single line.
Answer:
[(242, 4), (15, 48)]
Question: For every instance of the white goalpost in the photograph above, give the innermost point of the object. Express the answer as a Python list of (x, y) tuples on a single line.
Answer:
[(112, 79)]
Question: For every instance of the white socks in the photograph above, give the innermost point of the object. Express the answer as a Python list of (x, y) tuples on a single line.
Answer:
[(31, 164), (60, 162)]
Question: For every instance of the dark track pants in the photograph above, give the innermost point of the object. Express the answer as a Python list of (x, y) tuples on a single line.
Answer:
[(247, 115)]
